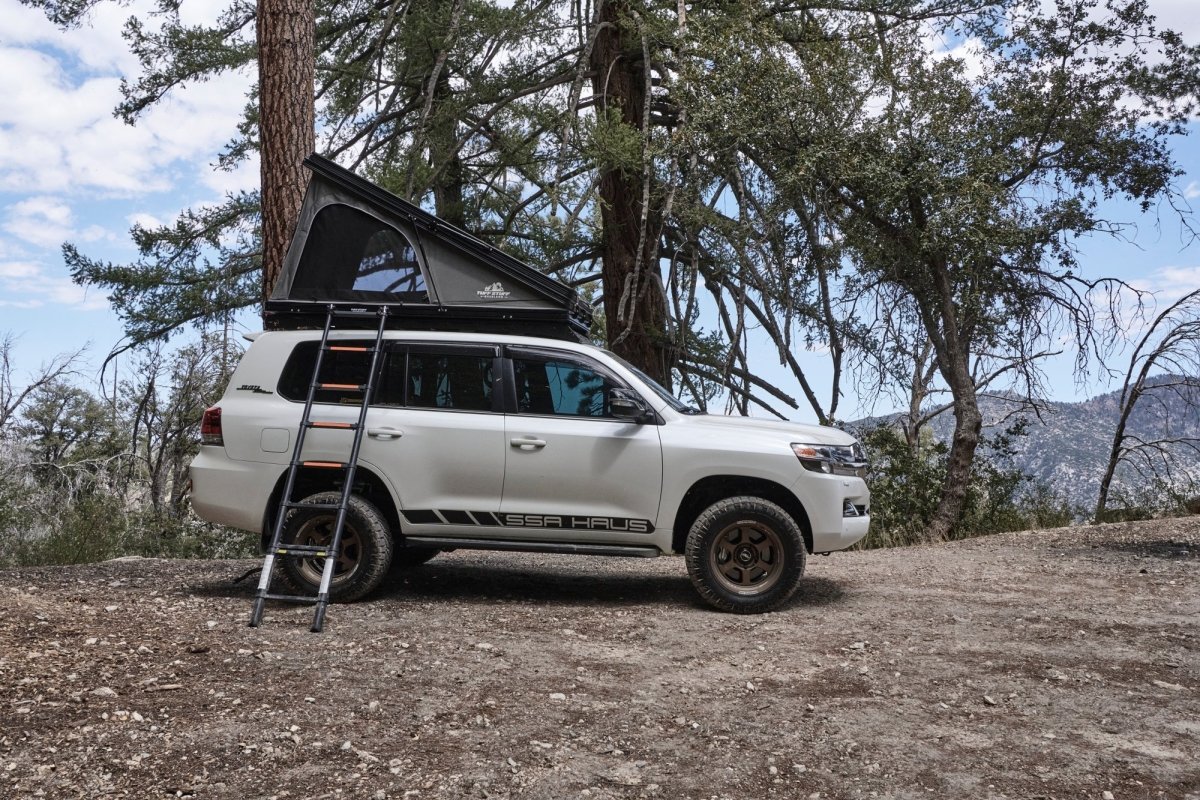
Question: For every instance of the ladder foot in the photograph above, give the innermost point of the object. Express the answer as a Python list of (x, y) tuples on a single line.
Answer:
[(318, 622), (256, 613)]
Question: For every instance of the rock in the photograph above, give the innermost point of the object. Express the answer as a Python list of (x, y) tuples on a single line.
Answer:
[(104, 691), (558, 696), (1175, 687), (1108, 795), (989, 700)]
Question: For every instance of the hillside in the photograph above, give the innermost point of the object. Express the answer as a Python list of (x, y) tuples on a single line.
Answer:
[(1067, 444)]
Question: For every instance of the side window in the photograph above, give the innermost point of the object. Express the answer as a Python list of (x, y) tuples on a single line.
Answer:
[(547, 385), (344, 368), (450, 381)]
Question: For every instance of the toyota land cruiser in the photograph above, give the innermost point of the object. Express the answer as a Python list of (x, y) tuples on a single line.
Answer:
[(507, 442)]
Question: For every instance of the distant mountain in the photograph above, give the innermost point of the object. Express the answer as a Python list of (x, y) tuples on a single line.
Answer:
[(1067, 444)]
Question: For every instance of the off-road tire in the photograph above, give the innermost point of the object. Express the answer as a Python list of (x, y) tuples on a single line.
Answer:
[(366, 552), (745, 555)]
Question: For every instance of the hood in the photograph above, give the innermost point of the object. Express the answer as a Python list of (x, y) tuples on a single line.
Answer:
[(793, 431)]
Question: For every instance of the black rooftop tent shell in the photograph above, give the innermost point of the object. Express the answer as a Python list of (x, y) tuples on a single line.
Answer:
[(358, 247)]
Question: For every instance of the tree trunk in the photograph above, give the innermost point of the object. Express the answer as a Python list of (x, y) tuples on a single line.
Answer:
[(968, 423), (634, 301), (447, 163), (286, 64), (952, 348), (1129, 399)]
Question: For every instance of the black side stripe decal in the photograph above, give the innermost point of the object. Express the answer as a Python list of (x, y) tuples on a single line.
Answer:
[(567, 522)]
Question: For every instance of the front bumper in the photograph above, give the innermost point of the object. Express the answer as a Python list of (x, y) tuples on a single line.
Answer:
[(828, 499)]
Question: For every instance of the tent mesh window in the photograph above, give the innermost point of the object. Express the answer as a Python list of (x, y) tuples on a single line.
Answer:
[(351, 254)]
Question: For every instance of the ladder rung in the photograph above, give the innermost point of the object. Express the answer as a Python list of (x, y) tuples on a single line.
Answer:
[(323, 464), (341, 426), (348, 387), (341, 348), (291, 598), (302, 504), (301, 549)]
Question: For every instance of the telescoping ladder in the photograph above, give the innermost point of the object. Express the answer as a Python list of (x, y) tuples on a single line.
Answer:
[(330, 551)]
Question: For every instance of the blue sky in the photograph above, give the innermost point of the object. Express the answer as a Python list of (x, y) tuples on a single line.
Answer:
[(70, 171)]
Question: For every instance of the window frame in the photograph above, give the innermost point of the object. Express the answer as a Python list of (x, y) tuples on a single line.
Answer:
[(398, 349), (513, 353)]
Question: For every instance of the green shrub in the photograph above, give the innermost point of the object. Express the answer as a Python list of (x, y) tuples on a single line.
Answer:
[(906, 484)]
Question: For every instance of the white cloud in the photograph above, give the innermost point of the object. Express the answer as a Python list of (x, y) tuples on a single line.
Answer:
[(147, 221), (17, 270), (243, 178), (1178, 15), (26, 284), (57, 130), (1171, 283), (40, 221), (1192, 191)]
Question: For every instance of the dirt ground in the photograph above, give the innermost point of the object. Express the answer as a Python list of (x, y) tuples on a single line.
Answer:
[(1060, 664)]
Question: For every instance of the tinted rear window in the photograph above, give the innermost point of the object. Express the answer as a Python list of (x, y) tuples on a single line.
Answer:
[(344, 368)]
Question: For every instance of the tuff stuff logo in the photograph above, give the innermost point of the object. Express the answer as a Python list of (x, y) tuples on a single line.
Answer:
[(495, 291)]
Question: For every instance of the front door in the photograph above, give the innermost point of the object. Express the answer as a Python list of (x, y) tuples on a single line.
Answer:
[(571, 465)]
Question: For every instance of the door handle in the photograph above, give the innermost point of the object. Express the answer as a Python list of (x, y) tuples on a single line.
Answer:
[(528, 441), (384, 433)]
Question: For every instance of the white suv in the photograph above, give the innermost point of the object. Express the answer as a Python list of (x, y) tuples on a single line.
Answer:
[(506, 442)]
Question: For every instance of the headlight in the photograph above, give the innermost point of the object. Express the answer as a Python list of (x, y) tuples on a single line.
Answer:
[(832, 459)]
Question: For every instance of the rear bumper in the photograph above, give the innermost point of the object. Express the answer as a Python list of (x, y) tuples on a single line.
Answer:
[(232, 493)]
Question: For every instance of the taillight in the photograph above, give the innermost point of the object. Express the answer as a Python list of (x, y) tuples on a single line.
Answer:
[(210, 427)]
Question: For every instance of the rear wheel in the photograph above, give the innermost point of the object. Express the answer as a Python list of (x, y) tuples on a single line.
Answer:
[(745, 554), (366, 550)]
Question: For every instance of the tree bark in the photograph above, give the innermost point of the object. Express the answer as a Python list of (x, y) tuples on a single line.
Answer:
[(286, 64), (634, 301), (952, 348), (968, 422)]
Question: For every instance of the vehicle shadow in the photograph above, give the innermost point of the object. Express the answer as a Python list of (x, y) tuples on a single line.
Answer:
[(464, 581)]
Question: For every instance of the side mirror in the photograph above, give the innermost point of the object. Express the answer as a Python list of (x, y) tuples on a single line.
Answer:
[(624, 404)]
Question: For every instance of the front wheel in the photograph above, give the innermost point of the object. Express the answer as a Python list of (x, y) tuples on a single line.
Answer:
[(745, 555), (366, 550)]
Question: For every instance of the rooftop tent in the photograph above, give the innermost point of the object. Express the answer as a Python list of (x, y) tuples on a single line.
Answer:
[(357, 246)]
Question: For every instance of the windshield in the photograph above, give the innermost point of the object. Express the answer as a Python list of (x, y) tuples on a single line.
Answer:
[(670, 399)]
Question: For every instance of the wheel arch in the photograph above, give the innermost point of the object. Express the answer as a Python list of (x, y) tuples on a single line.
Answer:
[(706, 491), (367, 484)]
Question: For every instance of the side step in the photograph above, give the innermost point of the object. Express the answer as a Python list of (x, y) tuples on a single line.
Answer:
[(630, 551)]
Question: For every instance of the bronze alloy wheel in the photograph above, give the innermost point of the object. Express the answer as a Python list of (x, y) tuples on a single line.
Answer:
[(745, 554), (746, 557), (319, 531), (366, 551)]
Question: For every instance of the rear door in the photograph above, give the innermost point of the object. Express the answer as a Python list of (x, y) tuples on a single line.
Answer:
[(571, 465), (434, 431), (442, 444)]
